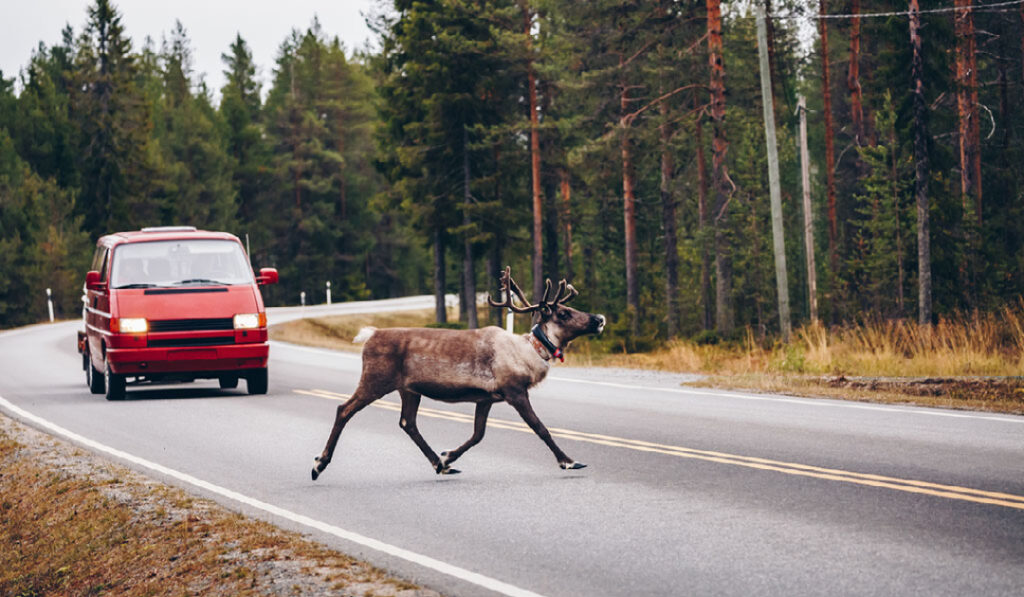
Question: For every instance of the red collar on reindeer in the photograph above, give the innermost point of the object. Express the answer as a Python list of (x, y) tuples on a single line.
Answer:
[(540, 340)]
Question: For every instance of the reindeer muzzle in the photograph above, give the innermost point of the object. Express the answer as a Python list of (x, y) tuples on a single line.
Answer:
[(597, 324)]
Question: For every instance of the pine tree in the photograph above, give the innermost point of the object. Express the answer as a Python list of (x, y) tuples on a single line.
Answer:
[(876, 266), (240, 114), (196, 185), (113, 127)]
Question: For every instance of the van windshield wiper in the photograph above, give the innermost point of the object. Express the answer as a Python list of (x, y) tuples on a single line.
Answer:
[(200, 281), (137, 285)]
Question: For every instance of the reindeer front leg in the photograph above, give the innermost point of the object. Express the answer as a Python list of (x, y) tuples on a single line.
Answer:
[(483, 408), (521, 402)]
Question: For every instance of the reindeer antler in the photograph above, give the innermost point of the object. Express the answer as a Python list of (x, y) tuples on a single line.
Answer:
[(508, 286), (564, 294)]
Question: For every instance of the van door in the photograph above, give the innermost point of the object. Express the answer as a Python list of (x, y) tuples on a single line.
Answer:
[(97, 308)]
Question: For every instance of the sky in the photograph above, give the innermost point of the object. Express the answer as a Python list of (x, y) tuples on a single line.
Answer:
[(211, 26)]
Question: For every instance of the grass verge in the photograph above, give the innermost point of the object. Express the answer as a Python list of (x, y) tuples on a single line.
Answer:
[(972, 362), (75, 524)]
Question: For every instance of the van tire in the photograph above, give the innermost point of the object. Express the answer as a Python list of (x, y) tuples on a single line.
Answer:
[(93, 378), (256, 381), (115, 384)]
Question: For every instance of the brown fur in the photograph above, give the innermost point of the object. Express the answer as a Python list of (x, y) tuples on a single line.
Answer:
[(484, 366)]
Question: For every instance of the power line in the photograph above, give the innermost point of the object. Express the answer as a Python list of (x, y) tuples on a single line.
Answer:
[(995, 7)]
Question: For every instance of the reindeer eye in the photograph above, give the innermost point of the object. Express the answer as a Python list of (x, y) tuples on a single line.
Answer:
[(563, 315)]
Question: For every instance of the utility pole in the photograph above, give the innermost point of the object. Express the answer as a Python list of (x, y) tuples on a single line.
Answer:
[(805, 176), (778, 242)]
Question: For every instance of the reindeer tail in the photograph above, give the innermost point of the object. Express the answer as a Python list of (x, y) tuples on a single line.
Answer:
[(364, 334)]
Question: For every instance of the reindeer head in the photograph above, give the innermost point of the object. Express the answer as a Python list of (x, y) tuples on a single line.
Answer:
[(559, 322)]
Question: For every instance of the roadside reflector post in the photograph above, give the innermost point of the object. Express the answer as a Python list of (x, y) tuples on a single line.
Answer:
[(49, 304), (510, 320), (302, 298), (328, 292)]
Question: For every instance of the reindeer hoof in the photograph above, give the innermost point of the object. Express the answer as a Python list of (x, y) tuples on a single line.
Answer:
[(443, 469), (571, 466), (444, 458), (319, 468)]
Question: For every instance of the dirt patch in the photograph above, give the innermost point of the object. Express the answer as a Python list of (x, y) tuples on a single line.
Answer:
[(73, 523), (999, 394), (987, 394)]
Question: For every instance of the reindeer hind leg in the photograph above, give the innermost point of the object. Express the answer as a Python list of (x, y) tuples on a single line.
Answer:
[(360, 399)]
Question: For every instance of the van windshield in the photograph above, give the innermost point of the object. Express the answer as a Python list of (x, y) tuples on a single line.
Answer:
[(179, 263)]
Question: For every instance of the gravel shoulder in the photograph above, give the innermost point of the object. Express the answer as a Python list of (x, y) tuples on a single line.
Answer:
[(74, 523)]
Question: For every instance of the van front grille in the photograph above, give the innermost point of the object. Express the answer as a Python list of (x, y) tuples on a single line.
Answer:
[(191, 325), (175, 342)]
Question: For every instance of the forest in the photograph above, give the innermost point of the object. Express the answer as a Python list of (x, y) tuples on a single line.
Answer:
[(619, 144)]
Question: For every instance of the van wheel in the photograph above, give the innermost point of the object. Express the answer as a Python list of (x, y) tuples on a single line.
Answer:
[(228, 382), (115, 384), (256, 381), (93, 378)]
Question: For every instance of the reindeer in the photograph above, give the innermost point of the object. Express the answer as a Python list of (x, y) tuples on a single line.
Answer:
[(483, 366)]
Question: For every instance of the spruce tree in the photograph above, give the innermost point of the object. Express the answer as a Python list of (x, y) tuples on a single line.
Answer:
[(113, 126)]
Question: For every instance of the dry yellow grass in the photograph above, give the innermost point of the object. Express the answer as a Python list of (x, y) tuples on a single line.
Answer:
[(818, 361), (982, 344), (336, 331), (73, 524)]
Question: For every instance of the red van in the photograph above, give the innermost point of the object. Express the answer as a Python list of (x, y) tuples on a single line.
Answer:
[(173, 304)]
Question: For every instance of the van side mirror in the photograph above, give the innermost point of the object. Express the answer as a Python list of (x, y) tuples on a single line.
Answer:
[(92, 281), (268, 275)]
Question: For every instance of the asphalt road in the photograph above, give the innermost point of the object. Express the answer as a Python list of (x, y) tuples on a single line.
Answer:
[(688, 492)]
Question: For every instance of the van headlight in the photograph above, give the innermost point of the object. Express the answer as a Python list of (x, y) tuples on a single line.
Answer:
[(129, 325), (250, 321)]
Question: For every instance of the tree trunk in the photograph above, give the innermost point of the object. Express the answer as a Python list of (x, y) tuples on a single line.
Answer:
[(551, 232), (668, 219), (772, 65), (566, 189), (440, 311), (967, 141), (702, 225), (468, 271), (853, 77), (924, 260), (720, 177), (830, 160), (538, 204), (629, 213), (895, 182), (494, 264), (967, 106)]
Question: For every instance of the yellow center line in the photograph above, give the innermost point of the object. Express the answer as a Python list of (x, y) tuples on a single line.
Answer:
[(790, 468)]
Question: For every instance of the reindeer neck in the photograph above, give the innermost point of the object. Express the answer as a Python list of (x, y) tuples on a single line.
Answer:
[(545, 347)]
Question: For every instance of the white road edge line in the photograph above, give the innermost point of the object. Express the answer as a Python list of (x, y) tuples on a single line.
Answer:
[(804, 401), (426, 561), (728, 394)]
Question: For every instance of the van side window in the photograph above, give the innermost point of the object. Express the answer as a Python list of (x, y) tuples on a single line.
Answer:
[(103, 265), (97, 259)]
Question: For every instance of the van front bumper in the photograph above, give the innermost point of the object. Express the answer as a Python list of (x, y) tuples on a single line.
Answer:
[(142, 361)]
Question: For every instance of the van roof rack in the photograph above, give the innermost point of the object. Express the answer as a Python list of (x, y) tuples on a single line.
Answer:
[(169, 229)]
